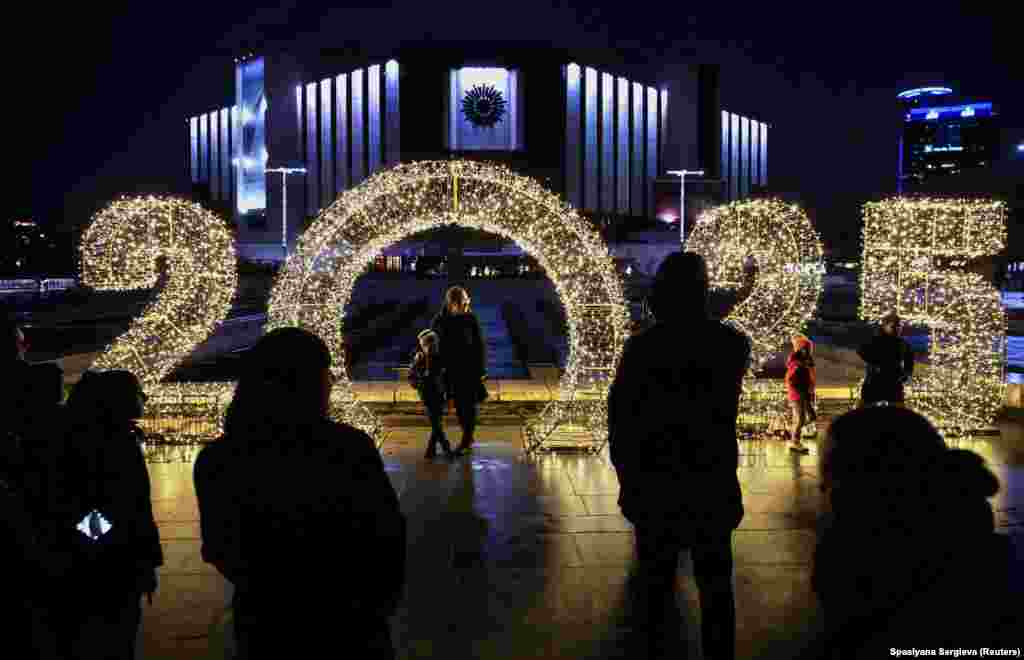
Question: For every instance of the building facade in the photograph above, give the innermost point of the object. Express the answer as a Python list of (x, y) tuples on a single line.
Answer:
[(944, 135), (953, 146), (599, 134)]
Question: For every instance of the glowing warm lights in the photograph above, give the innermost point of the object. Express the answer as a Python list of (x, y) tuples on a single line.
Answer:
[(915, 251), (778, 241), (771, 249), (119, 252), (317, 282)]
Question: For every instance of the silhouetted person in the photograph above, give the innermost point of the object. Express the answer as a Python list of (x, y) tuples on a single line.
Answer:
[(890, 363), (464, 354), (297, 512), (800, 390), (426, 374), (106, 516), (40, 432), (909, 558), (13, 369), (672, 434)]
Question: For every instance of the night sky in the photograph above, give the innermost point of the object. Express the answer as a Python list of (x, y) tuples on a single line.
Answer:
[(105, 90)]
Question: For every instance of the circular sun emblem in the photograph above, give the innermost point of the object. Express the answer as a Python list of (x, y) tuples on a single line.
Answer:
[(483, 105)]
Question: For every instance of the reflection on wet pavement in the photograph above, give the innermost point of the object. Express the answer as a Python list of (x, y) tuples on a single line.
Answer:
[(529, 557)]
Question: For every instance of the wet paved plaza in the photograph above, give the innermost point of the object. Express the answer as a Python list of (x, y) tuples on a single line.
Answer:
[(522, 557)]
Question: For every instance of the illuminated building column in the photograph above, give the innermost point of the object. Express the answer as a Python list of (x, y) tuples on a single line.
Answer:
[(726, 162), (651, 150), (392, 118), (755, 153), (214, 156), (607, 143), (341, 152), (573, 190), (763, 161), (374, 147), (590, 113), (225, 155), (744, 157), (357, 98), (312, 155), (622, 143), (327, 192), (204, 148), (194, 144), (734, 157), (636, 168)]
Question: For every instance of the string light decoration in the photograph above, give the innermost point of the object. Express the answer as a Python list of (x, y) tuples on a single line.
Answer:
[(779, 241), (197, 277), (915, 250), (318, 279)]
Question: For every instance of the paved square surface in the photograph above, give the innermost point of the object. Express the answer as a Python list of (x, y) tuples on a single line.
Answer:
[(517, 557)]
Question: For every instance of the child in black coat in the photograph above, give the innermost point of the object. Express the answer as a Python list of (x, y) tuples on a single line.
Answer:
[(426, 376)]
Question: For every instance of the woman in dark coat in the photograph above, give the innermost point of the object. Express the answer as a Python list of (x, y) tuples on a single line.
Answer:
[(464, 354), (297, 512), (106, 516), (890, 364)]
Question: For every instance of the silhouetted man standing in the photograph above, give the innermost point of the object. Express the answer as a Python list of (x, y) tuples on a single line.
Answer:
[(672, 434)]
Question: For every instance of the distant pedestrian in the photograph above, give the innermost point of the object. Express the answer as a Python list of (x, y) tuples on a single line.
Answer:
[(464, 355), (672, 413), (889, 364), (297, 512), (800, 389), (106, 517), (426, 375)]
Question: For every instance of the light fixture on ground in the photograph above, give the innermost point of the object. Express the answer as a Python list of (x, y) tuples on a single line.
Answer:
[(682, 199)]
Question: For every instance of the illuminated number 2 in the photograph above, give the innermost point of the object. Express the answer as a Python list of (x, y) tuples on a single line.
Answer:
[(119, 252), (779, 241), (915, 251)]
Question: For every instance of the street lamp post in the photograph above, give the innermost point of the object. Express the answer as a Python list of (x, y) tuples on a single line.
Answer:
[(284, 172), (682, 200)]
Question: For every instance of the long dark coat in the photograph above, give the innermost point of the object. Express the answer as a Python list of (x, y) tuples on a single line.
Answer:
[(463, 352), (672, 425)]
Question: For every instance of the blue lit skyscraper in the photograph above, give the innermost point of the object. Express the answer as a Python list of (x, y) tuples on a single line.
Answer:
[(944, 135)]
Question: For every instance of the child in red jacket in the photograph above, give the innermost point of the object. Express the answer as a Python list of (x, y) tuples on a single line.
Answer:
[(800, 386)]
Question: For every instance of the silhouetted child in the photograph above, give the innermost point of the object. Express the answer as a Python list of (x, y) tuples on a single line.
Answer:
[(427, 376)]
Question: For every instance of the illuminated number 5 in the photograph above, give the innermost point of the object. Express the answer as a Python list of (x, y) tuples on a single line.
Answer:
[(915, 251), (119, 252)]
